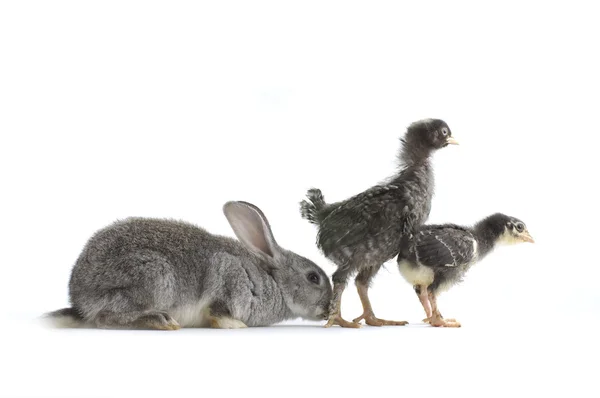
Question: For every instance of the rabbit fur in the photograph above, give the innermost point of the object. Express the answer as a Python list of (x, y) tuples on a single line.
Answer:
[(163, 274)]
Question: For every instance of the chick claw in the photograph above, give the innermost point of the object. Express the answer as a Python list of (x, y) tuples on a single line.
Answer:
[(371, 320), (338, 320)]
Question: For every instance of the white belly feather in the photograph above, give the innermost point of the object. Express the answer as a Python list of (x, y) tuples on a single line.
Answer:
[(418, 275)]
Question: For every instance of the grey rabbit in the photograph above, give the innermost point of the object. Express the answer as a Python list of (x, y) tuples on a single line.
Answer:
[(143, 273)]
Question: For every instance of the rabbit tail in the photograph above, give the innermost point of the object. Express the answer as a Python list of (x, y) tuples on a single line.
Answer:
[(65, 318), (312, 208)]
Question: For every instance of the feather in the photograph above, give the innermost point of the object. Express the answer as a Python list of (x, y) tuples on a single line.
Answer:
[(368, 229)]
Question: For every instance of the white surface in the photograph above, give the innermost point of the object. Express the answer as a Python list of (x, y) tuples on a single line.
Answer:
[(116, 109), (518, 359)]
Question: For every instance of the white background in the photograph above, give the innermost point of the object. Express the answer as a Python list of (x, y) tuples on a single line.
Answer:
[(168, 109)]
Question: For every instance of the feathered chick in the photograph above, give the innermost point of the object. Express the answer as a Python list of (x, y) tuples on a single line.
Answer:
[(438, 256), (364, 231)]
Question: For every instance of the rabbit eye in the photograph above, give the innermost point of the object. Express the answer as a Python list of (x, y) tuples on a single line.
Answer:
[(313, 277)]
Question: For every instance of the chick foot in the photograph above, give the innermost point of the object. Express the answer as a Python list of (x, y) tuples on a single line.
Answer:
[(335, 309), (372, 320), (338, 320), (446, 323), (428, 320)]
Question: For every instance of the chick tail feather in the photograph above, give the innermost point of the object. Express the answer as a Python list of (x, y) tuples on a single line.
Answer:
[(64, 318), (312, 209)]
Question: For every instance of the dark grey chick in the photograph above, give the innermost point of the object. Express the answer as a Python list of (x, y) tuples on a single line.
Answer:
[(438, 256), (363, 232)]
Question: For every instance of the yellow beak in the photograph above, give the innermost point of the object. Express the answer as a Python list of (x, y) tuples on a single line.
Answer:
[(451, 141), (526, 237)]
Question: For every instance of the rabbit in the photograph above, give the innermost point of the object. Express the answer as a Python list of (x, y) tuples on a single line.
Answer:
[(143, 273)]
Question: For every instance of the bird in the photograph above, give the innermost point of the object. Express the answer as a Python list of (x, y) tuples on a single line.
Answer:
[(437, 257), (361, 233)]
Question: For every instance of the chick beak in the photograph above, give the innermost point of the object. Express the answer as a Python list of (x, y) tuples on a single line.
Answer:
[(525, 237), (451, 141)]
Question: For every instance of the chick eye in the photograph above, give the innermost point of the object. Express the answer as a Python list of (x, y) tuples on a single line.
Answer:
[(313, 277), (520, 227), (444, 132)]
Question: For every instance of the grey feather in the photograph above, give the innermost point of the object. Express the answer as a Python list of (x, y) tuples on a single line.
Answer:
[(450, 250), (367, 229), (313, 209), (447, 246)]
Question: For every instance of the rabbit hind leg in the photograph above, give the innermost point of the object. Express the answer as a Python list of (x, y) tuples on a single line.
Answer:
[(149, 320), (128, 308), (131, 293)]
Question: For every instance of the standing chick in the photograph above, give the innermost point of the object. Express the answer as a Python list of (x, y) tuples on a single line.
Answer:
[(438, 256), (363, 232)]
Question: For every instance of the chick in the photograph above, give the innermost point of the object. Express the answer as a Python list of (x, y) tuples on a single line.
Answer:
[(438, 256), (361, 233)]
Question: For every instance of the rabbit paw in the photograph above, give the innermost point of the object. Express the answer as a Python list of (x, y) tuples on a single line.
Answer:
[(158, 320), (227, 323)]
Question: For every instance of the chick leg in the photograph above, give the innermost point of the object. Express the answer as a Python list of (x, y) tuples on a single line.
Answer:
[(436, 318), (362, 285), (434, 310), (335, 312), (424, 299), (433, 300)]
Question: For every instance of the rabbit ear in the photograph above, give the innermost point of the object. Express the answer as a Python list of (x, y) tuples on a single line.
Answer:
[(251, 227)]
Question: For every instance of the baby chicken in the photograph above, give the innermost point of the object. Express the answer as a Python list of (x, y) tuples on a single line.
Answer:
[(361, 233), (438, 256)]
